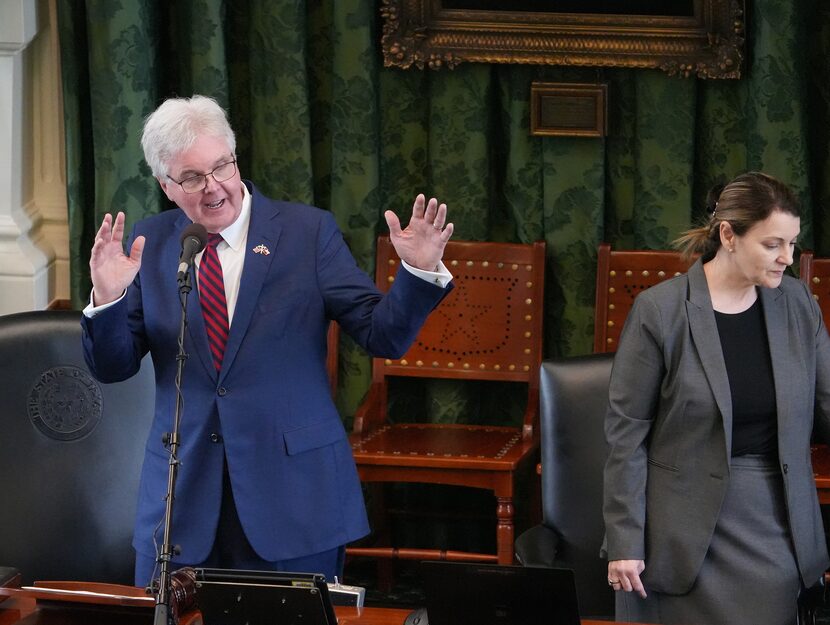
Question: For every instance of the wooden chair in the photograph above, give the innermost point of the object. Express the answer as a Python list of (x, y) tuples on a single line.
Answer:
[(816, 273), (488, 328), (805, 266), (621, 275), (332, 356)]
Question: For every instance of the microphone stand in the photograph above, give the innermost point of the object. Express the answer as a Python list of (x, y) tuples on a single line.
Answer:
[(164, 611)]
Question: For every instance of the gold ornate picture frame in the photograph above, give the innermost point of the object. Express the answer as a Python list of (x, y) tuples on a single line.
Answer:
[(704, 40)]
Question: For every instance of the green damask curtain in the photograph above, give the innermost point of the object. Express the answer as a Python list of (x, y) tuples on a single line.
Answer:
[(321, 121)]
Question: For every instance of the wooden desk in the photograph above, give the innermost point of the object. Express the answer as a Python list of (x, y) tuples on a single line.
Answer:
[(389, 616), (19, 610), (24, 611), (821, 471)]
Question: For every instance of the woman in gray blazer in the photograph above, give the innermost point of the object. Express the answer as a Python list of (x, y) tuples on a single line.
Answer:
[(710, 508)]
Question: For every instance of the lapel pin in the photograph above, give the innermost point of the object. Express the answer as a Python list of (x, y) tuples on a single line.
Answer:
[(261, 249)]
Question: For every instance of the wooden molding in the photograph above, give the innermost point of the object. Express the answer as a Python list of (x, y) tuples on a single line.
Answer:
[(707, 43)]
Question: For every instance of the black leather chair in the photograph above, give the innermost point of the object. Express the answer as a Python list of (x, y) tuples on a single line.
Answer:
[(70, 454), (574, 398)]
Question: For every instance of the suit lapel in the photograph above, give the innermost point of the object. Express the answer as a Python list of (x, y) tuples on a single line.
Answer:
[(704, 331), (263, 229), (775, 318)]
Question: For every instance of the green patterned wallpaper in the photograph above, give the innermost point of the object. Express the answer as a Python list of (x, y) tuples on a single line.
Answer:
[(320, 120)]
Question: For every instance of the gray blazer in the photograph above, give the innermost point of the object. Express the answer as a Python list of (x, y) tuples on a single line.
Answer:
[(669, 427)]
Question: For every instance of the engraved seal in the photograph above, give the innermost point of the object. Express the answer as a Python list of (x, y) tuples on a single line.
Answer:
[(65, 403)]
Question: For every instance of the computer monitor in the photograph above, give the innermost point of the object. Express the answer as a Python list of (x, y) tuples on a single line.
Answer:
[(463, 593)]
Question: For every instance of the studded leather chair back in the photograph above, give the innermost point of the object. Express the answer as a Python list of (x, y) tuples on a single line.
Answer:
[(488, 327), (621, 276), (815, 271)]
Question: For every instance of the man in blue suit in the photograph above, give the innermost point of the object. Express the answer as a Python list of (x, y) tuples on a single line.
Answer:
[(266, 479)]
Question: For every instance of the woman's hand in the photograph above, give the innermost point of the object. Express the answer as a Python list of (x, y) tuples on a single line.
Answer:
[(625, 575)]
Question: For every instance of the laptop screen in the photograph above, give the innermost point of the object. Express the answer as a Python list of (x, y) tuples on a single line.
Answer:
[(463, 593)]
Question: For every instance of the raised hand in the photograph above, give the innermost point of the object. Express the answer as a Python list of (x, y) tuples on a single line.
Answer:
[(422, 242), (111, 270)]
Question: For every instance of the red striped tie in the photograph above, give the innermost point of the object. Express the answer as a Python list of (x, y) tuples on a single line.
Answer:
[(212, 298)]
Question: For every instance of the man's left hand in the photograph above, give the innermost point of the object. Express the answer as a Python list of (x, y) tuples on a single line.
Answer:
[(421, 243)]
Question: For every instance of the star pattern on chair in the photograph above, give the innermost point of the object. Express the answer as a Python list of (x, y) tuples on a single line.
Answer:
[(462, 319)]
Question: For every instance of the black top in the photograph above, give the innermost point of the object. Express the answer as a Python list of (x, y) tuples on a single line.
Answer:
[(743, 338)]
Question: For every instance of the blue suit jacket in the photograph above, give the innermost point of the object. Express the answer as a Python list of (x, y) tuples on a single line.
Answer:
[(291, 467)]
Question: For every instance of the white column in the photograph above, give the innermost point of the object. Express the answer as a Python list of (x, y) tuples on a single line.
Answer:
[(33, 221)]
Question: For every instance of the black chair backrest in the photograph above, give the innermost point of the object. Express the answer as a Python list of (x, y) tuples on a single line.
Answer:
[(70, 454), (574, 399)]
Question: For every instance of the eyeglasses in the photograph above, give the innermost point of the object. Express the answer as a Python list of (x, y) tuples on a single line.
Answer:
[(196, 183)]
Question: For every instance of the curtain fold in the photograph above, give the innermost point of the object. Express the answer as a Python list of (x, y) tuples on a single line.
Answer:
[(278, 111), (320, 120)]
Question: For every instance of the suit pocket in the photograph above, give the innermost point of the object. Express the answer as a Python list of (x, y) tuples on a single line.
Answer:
[(312, 436), (663, 465)]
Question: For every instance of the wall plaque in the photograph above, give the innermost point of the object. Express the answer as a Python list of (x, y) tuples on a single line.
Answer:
[(568, 109)]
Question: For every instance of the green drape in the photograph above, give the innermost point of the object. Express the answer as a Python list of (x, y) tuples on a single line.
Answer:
[(320, 120)]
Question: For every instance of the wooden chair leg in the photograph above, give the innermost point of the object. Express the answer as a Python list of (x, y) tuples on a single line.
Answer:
[(534, 515), (505, 530), (383, 536)]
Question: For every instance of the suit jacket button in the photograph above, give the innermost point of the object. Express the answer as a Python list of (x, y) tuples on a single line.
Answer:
[(785, 468), (222, 391), (215, 438)]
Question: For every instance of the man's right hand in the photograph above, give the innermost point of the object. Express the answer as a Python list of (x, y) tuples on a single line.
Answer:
[(111, 270)]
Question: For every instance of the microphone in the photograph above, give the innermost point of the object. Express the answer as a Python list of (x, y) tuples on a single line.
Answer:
[(194, 239)]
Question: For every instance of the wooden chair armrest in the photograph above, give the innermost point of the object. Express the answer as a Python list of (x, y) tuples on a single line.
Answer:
[(530, 421), (371, 413)]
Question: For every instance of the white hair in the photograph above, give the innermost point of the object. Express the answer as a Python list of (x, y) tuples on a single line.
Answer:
[(175, 125)]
